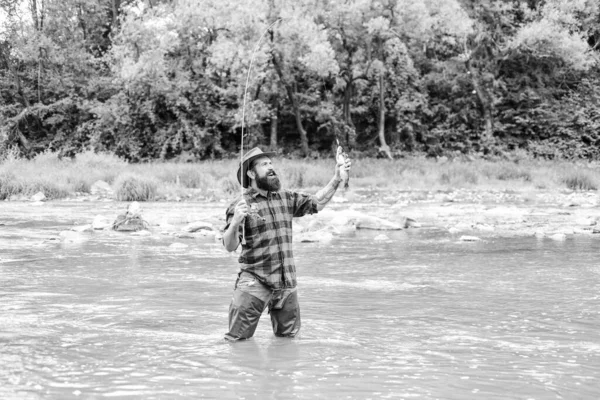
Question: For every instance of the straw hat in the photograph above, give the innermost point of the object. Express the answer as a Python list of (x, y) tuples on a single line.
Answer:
[(247, 159)]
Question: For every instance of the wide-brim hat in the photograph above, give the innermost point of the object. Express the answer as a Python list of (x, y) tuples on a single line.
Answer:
[(251, 155)]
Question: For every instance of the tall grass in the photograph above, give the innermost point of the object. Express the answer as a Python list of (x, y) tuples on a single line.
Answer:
[(134, 187), (581, 180), (60, 178)]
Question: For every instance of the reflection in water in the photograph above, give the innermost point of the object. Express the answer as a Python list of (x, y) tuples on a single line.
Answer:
[(422, 316)]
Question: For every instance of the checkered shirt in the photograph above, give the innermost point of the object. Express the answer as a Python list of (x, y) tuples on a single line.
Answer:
[(267, 253)]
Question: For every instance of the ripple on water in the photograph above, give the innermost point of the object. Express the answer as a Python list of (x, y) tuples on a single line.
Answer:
[(366, 284)]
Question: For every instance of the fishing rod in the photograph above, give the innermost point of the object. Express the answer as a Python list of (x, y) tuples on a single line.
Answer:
[(242, 178)]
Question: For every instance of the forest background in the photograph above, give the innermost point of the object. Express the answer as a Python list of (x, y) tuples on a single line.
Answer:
[(152, 79)]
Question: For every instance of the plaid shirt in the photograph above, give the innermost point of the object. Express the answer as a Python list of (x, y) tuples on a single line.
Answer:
[(267, 253)]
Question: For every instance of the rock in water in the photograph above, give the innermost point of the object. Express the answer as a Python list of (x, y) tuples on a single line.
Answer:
[(101, 223), (125, 224), (411, 223), (101, 188), (132, 220), (559, 237), (382, 238), (198, 225), (375, 223), (39, 196)]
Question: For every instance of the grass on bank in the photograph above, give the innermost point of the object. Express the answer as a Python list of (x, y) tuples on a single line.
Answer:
[(60, 178)]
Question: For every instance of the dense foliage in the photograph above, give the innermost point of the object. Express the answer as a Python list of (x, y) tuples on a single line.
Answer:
[(164, 79)]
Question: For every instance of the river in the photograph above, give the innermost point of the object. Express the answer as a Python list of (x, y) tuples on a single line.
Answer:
[(421, 315)]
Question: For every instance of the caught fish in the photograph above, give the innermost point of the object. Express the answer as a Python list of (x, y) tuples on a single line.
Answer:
[(341, 158)]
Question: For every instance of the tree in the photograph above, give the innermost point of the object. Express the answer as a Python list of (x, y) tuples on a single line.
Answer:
[(300, 37)]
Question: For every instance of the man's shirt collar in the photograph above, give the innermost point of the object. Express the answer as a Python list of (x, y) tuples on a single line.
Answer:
[(255, 193)]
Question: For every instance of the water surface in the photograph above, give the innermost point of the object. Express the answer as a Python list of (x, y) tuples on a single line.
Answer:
[(420, 316)]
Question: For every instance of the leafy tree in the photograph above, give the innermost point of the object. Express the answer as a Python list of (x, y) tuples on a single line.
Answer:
[(154, 79)]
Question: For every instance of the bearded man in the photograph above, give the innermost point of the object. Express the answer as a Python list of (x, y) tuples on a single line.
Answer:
[(261, 221)]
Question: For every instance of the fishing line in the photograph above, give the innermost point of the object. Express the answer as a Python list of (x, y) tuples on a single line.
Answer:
[(242, 178)]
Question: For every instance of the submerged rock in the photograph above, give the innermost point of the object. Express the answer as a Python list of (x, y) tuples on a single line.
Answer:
[(337, 199), (484, 228), (142, 233), (315, 237), (185, 235), (586, 221), (411, 223), (344, 230), (82, 228), (467, 238), (72, 237), (382, 238)]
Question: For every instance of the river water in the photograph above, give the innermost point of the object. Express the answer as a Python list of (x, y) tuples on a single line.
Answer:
[(421, 316)]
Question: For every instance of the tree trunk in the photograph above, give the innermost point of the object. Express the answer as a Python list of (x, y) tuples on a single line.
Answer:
[(295, 107), (42, 15), (273, 138), (115, 14), (39, 22), (347, 99), (274, 115), (485, 102), (34, 14), (381, 122), (349, 129)]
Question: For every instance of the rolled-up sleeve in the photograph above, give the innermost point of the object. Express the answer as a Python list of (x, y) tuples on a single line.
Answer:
[(303, 204)]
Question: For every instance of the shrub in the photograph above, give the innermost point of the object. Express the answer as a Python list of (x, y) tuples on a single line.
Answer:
[(133, 187), (505, 171), (8, 185), (80, 185), (51, 188), (459, 174), (230, 186), (99, 160), (581, 180)]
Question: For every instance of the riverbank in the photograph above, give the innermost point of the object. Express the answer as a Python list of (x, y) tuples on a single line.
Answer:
[(457, 215), (93, 176)]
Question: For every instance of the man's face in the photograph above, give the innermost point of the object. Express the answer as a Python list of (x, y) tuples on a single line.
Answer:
[(265, 176)]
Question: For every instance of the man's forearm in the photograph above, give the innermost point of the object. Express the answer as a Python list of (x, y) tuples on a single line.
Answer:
[(324, 195), (231, 239)]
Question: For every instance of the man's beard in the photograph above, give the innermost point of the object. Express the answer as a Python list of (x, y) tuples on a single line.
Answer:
[(270, 183)]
